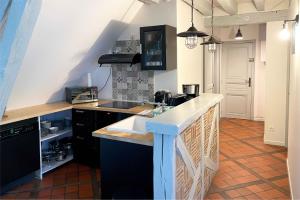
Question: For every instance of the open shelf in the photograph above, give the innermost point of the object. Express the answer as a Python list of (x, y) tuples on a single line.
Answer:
[(60, 133), (54, 164)]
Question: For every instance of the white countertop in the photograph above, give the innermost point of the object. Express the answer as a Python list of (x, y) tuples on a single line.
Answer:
[(177, 119)]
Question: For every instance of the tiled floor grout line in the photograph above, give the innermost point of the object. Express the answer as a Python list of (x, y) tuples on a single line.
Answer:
[(237, 186), (242, 141), (260, 177)]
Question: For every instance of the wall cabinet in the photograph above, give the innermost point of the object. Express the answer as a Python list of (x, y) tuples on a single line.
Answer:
[(159, 47)]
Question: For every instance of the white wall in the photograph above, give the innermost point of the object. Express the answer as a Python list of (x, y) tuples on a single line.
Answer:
[(276, 85), (67, 40), (151, 15), (189, 61), (294, 114), (251, 33)]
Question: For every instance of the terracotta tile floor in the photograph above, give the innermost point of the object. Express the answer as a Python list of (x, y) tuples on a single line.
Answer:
[(249, 169)]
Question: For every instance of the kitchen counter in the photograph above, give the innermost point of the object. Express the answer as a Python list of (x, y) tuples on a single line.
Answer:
[(186, 148), (144, 139), (44, 109)]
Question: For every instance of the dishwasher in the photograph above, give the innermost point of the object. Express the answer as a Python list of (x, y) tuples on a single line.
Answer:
[(19, 153)]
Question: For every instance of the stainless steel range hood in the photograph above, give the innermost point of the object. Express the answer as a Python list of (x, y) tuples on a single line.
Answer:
[(119, 58)]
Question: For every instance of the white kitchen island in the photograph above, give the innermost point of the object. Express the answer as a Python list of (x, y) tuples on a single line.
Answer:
[(186, 148)]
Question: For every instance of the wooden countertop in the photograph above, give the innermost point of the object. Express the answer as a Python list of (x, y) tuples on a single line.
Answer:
[(145, 139), (33, 111), (44, 109)]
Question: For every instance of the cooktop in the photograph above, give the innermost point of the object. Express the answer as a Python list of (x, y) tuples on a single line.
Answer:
[(119, 104)]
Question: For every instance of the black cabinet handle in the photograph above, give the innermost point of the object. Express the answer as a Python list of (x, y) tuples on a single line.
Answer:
[(79, 138), (79, 111), (79, 124)]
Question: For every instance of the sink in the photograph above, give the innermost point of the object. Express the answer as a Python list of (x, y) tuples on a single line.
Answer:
[(135, 124)]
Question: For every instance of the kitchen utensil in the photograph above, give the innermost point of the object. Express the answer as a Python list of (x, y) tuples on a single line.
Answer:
[(61, 155), (60, 124), (68, 148), (46, 124)]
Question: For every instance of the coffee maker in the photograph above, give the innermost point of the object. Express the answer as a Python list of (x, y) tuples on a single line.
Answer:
[(191, 90)]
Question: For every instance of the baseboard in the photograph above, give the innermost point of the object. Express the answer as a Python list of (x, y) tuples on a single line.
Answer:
[(259, 119), (289, 176), (274, 143)]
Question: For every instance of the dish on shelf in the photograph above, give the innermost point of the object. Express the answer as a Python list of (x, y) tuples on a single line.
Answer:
[(53, 129)]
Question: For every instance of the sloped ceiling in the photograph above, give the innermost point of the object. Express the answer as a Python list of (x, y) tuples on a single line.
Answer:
[(67, 40)]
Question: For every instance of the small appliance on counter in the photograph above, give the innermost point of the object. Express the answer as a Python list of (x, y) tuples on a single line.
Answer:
[(76, 95), (167, 97), (162, 96), (191, 90), (177, 99)]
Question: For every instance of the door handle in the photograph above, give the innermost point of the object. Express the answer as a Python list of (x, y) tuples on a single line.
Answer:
[(249, 81)]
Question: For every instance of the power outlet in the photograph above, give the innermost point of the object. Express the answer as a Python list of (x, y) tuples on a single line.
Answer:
[(271, 129)]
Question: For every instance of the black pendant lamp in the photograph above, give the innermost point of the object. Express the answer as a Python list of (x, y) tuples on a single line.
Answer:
[(212, 41), (238, 35), (192, 34)]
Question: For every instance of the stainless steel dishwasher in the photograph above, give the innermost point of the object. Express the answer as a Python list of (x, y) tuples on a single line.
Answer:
[(19, 153)]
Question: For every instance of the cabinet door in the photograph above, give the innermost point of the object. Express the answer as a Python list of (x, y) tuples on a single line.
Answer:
[(105, 118), (153, 48)]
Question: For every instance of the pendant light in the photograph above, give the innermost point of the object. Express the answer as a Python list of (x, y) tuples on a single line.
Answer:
[(212, 42), (192, 34), (238, 35)]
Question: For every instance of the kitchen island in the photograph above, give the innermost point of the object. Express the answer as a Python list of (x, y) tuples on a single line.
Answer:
[(185, 150)]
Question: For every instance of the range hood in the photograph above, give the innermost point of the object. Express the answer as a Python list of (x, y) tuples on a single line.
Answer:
[(120, 58)]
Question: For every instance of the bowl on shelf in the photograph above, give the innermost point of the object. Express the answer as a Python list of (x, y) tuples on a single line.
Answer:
[(53, 130)]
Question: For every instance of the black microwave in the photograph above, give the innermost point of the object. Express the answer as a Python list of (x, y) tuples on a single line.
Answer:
[(76, 95)]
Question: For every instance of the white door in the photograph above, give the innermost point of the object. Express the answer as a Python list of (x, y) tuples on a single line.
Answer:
[(236, 80)]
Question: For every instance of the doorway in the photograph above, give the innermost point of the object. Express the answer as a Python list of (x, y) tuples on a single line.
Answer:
[(237, 72)]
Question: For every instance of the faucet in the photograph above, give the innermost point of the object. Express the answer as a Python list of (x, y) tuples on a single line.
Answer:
[(161, 105)]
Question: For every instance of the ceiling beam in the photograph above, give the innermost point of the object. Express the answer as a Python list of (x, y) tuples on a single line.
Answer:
[(248, 18), (149, 1), (259, 4), (229, 6), (204, 6)]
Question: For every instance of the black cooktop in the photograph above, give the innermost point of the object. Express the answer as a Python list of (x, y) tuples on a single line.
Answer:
[(119, 104)]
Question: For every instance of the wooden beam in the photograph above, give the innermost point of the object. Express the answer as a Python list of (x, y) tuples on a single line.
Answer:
[(204, 6), (249, 18), (229, 6), (149, 1), (259, 4)]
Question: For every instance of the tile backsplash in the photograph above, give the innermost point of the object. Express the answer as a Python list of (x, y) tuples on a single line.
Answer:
[(130, 82)]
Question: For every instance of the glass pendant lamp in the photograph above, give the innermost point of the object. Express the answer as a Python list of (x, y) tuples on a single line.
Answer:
[(212, 42), (192, 34)]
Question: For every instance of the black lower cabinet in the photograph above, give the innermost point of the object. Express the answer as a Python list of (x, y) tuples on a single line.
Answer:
[(86, 148), (126, 170)]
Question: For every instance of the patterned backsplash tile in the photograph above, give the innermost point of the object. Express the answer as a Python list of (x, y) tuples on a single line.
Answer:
[(129, 82)]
